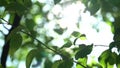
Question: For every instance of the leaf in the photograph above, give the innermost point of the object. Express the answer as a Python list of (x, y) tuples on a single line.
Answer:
[(56, 1), (48, 63), (74, 43), (83, 52), (94, 6), (76, 34), (83, 61), (107, 57), (83, 37), (118, 61), (15, 43), (14, 31), (59, 30), (16, 7), (30, 57), (56, 63), (66, 64), (67, 44)]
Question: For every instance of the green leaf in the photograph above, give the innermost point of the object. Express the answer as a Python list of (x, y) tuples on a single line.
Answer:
[(59, 30), (66, 64), (74, 43), (76, 34), (84, 51), (83, 61), (94, 6), (56, 1), (56, 63), (14, 31), (30, 57), (118, 61), (67, 44), (48, 63), (107, 58), (83, 37), (15, 43)]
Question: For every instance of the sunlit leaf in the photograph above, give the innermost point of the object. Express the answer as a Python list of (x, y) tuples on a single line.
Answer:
[(83, 37), (83, 52), (83, 61), (107, 58), (30, 57), (15, 43)]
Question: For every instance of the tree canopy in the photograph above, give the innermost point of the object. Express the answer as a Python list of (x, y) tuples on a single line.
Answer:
[(31, 32)]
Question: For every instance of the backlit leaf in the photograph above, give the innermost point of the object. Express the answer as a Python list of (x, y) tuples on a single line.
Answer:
[(30, 57), (67, 44), (83, 52), (83, 61), (15, 43)]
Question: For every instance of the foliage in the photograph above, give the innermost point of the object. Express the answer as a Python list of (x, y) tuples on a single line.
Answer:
[(30, 40)]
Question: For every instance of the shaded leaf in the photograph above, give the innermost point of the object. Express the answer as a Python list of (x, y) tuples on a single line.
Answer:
[(48, 63), (15, 43), (66, 64), (74, 43), (76, 34), (56, 63), (84, 51), (59, 30), (56, 1), (67, 44), (94, 6), (30, 57)]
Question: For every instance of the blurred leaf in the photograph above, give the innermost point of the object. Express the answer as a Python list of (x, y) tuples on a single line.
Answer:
[(83, 37), (56, 1), (28, 3), (76, 34), (74, 43), (59, 30), (30, 57), (48, 63), (112, 44), (3, 3), (107, 57), (94, 6), (66, 64), (15, 43), (56, 63), (14, 31), (67, 44), (83, 61), (83, 52), (103, 57), (16, 7), (118, 61)]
